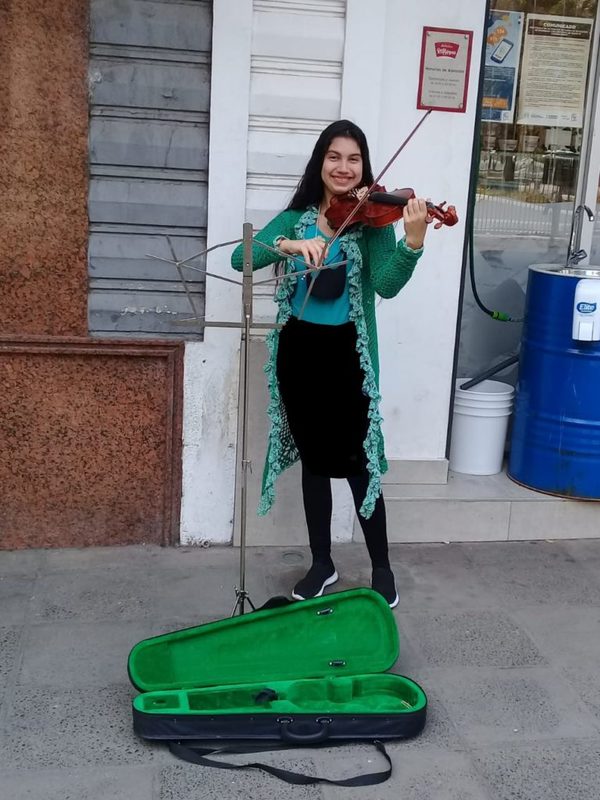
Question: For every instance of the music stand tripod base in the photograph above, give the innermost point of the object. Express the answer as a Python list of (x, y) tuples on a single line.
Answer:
[(241, 597)]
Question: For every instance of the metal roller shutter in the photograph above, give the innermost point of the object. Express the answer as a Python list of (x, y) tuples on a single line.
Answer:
[(149, 106)]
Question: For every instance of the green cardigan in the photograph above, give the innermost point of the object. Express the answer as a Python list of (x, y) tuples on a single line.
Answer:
[(379, 266)]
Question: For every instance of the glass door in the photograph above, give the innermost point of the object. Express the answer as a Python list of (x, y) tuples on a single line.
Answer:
[(590, 231), (539, 161)]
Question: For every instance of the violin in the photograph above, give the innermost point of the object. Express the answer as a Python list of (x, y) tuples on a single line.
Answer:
[(345, 209), (382, 208)]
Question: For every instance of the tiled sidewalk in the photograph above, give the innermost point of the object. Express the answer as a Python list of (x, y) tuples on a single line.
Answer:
[(503, 637)]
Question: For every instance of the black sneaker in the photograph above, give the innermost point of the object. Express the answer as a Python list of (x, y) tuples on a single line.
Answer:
[(314, 582), (384, 583)]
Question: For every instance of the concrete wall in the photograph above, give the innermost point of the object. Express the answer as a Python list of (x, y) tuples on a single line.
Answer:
[(378, 90), (43, 180), (417, 329), (89, 432)]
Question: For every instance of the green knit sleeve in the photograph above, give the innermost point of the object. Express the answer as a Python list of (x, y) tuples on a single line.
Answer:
[(281, 225), (391, 265)]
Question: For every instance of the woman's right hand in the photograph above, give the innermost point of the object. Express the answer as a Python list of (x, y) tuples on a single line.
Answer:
[(313, 251)]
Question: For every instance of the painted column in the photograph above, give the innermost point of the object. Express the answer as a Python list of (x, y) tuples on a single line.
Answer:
[(211, 366)]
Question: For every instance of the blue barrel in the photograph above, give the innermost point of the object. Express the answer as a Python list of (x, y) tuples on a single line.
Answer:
[(555, 444)]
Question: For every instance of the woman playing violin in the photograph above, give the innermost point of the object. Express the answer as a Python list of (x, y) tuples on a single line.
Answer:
[(324, 367)]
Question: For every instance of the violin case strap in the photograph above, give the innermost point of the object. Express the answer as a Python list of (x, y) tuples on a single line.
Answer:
[(199, 753)]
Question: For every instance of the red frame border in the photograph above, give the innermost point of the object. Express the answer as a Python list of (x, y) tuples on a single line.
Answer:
[(469, 35)]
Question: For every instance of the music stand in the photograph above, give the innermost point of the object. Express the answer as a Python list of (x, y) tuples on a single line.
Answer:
[(246, 325)]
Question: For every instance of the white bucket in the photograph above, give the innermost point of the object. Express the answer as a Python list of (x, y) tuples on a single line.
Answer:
[(479, 426)]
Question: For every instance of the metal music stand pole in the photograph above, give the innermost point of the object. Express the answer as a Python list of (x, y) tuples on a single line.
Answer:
[(246, 323), (241, 594)]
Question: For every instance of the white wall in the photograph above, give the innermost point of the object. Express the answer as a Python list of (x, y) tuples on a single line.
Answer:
[(211, 366), (417, 329), (250, 145)]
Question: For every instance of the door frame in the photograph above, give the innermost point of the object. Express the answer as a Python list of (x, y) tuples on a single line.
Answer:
[(589, 165)]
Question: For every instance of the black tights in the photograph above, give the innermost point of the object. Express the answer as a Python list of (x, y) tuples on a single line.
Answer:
[(318, 504)]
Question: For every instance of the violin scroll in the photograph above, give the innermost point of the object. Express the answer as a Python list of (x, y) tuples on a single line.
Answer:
[(449, 216), (400, 197)]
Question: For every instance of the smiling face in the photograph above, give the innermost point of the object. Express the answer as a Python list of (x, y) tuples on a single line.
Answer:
[(342, 167)]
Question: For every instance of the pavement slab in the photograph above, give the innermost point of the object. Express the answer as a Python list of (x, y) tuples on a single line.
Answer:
[(503, 637), (564, 770)]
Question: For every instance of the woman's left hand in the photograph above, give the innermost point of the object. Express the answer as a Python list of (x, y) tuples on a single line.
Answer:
[(415, 222)]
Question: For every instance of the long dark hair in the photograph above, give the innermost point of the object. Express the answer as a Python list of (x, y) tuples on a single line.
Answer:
[(310, 189)]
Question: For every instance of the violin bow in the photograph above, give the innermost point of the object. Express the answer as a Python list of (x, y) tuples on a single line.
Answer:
[(360, 204), (365, 197)]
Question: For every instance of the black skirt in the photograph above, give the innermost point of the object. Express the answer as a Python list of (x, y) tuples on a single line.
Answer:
[(321, 386)]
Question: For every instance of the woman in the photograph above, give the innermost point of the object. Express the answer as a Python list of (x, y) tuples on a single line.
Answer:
[(323, 368)]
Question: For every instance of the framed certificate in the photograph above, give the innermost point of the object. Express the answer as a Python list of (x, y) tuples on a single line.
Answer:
[(444, 69)]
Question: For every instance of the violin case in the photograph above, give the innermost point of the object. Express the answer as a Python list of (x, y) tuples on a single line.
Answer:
[(299, 673)]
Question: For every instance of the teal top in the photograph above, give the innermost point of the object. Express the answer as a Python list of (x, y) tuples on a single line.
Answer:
[(323, 312)]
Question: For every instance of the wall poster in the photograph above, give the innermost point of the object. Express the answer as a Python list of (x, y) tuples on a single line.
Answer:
[(501, 68), (554, 70)]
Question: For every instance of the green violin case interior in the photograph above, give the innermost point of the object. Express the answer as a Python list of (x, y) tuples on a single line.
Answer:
[(302, 672)]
